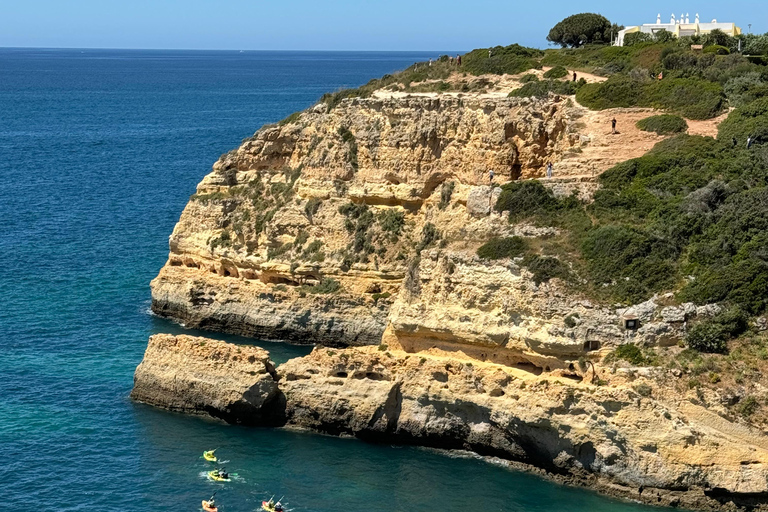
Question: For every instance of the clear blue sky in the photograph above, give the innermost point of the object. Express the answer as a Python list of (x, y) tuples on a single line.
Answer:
[(327, 24)]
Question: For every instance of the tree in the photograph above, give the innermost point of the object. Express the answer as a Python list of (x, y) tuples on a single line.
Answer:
[(664, 36), (580, 29), (717, 37)]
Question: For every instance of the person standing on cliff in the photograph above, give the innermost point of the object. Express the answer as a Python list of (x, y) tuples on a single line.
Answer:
[(549, 170), (574, 76), (613, 126), (458, 60), (491, 174)]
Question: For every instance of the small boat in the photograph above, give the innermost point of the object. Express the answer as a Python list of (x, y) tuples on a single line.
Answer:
[(210, 456), (214, 475), (208, 507), (271, 506)]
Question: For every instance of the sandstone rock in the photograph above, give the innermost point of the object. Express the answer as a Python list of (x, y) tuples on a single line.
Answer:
[(482, 199), (203, 376)]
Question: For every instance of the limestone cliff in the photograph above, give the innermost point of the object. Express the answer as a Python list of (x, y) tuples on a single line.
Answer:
[(650, 445), (309, 230)]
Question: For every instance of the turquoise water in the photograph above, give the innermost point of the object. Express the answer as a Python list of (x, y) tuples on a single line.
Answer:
[(99, 151)]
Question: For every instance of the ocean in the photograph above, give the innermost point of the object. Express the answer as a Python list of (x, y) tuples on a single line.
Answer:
[(99, 152)]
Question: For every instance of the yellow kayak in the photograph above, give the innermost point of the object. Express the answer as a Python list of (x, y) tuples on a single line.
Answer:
[(271, 506), (210, 456), (214, 475)]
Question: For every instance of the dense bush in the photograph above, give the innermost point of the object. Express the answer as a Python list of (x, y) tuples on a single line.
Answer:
[(690, 97), (663, 124), (530, 77), (324, 287), (392, 221), (746, 88), (497, 248), (510, 60), (717, 50), (751, 120), (630, 353), (545, 268), (581, 29), (634, 262), (527, 198), (556, 72), (636, 38), (708, 337)]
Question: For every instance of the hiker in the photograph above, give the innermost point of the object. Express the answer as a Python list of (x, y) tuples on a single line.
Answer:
[(490, 176), (574, 76), (458, 60), (734, 142), (749, 142), (490, 52), (549, 170), (430, 62), (613, 126)]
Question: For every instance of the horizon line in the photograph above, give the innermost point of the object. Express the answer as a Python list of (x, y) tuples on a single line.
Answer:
[(211, 49)]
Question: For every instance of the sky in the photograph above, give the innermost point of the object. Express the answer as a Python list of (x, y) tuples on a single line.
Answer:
[(328, 24)]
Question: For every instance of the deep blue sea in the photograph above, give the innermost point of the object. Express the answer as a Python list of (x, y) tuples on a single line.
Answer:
[(99, 152)]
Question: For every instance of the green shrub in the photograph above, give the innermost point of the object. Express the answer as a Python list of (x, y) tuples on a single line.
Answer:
[(630, 353), (530, 77), (743, 89), (525, 199), (708, 337), (629, 261), (429, 235), (498, 248), (664, 124), (748, 406), (717, 50), (634, 38), (545, 268), (643, 389), (750, 120), (392, 221), (349, 139), (446, 191), (510, 60), (690, 97), (326, 286), (556, 72)]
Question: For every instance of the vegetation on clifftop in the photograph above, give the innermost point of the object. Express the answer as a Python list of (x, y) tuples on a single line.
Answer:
[(691, 216)]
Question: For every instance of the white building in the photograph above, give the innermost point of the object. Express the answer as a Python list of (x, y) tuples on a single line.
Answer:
[(679, 27)]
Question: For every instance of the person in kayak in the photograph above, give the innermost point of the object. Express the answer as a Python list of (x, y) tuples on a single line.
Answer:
[(223, 474), (278, 507), (211, 503)]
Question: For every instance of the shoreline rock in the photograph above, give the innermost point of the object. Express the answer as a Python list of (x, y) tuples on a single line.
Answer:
[(196, 375), (664, 451)]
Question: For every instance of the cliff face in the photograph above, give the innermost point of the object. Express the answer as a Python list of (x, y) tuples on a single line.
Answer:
[(203, 376), (346, 196), (655, 447), (341, 222)]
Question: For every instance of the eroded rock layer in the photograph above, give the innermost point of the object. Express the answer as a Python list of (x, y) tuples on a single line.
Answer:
[(203, 376), (652, 447)]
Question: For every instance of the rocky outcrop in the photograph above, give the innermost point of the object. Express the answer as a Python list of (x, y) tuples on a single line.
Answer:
[(203, 376), (345, 195), (652, 447)]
